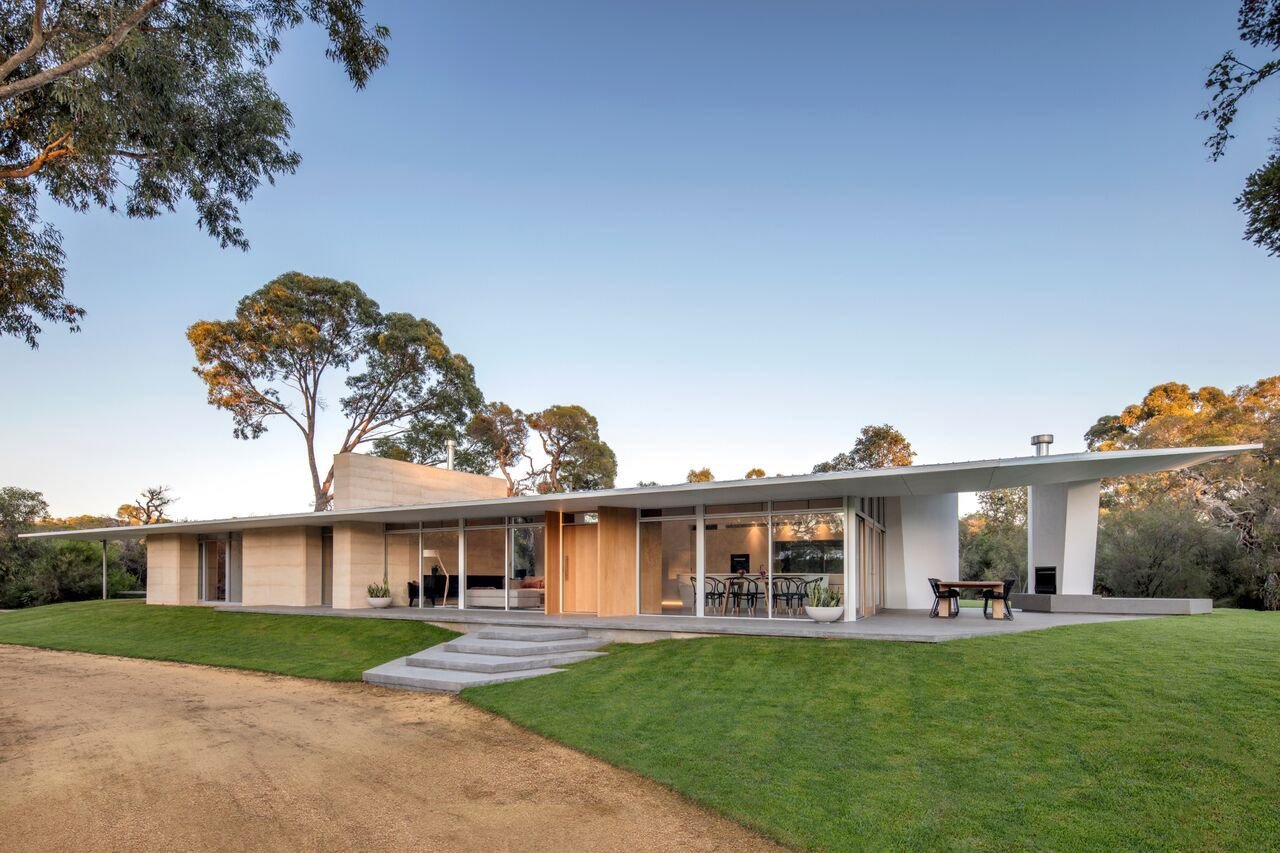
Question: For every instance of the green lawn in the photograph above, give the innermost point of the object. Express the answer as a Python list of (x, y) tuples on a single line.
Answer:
[(1131, 735), (325, 647)]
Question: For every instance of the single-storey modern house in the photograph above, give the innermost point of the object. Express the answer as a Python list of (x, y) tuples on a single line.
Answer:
[(878, 535)]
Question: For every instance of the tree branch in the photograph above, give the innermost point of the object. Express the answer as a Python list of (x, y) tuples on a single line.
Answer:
[(33, 47), (58, 148), (88, 57)]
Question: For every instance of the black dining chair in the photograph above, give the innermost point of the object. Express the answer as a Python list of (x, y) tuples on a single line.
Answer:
[(787, 593), (713, 592), (990, 595), (743, 591), (938, 595)]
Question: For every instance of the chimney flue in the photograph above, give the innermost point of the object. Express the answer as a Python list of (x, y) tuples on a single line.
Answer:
[(450, 445), (1041, 443)]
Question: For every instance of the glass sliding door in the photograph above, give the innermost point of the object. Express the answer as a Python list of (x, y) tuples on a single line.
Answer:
[(808, 550), (526, 584), (668, 562), (213, 570), (737, 562), (486, 551)]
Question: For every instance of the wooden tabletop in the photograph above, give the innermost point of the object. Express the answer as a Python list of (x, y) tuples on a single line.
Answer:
[(970, 584)]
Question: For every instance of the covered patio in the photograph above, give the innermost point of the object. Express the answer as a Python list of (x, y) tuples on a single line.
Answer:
[(907, 626)]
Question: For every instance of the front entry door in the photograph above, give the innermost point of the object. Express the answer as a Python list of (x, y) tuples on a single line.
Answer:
[(578, 568)]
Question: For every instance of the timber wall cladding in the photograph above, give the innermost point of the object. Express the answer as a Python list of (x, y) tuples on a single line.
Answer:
[(553, 546), (616, 561), (580, 555)]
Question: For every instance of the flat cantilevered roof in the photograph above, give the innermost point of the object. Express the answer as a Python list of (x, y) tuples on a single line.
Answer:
[(948, 478)]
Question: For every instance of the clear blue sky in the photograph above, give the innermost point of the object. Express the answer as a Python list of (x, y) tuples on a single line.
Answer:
[(734, 231)]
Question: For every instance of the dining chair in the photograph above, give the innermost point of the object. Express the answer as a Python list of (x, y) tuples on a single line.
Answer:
[(938, 595), (787, 592), (714, 593), (990, 595), (743, 590)]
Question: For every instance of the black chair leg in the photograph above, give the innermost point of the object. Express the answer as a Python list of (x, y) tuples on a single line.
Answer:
[(933, 611)]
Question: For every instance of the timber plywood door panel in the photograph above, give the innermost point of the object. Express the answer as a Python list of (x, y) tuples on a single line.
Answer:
[(579, 568)]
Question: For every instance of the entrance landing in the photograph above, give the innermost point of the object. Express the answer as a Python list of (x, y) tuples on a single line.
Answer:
[(911, 626)]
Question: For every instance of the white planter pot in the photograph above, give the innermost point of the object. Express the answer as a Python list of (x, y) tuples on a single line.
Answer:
[(824, 614), (379, 602)]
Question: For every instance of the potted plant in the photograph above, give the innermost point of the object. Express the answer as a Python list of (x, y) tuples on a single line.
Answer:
[(824, 603), (379, 595)]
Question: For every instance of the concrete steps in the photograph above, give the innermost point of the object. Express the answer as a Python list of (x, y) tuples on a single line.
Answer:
[(489, 655)]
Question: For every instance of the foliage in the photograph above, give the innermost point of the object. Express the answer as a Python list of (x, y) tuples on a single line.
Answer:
[(879, 446), (271, 361), (1240, 495), (754, 474), (577, 458), (149, 508), (1163, 550), (993, 540), (139, 106), (822, 595), (308, 646), (919, 744), (645, 484), (1230, 80), (699, 475), (503, 433), (378, 590)]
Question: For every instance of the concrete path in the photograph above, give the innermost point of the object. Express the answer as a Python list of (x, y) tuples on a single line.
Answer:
[(100, 753)]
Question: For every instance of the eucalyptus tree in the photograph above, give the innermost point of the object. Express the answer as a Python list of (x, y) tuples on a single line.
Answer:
[(138, 106), (1230, 80), (272, 361), (877, 446)]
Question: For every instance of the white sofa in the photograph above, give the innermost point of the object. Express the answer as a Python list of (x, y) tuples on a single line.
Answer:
[(520, 598)]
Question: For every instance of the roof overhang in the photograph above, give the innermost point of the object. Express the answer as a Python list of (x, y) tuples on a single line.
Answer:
[(949, 478)]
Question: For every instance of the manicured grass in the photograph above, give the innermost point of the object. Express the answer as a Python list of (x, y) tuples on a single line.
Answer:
[(1154, 734), (326, 647)]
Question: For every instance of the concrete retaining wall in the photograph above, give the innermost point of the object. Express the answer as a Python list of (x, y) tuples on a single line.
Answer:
[(1118, 606)]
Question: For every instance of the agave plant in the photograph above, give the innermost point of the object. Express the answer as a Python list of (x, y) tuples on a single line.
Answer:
[(824, 596), (378, 590)]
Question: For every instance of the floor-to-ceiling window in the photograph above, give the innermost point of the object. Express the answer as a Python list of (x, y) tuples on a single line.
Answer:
[(808, 550), (761, 559), (219, 568), (485, 543), (736, 544), (869, 539), (668, 561), (526, 584)]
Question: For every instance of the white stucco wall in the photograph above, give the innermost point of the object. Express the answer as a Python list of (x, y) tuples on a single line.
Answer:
[(922, 541)]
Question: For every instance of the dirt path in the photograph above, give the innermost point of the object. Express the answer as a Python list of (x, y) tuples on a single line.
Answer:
[(100, 753)]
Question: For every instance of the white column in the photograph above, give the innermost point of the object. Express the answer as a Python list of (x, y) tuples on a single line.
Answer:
[(700, 562), (462, 565), (851, 556), (1062, 531)]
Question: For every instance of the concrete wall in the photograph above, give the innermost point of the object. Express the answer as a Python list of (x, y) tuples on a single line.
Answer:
[(922, 541), (281, 565), (1063, 532), (357, 561), (173, 566), (362, 481)]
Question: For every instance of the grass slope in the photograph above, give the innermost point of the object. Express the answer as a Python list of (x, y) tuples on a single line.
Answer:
[(310, 646), (1134, 735)]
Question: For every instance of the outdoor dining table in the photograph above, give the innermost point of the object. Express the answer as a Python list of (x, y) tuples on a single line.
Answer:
[(999, 607)]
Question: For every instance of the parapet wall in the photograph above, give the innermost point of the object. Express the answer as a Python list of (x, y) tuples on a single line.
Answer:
[(361, 481)]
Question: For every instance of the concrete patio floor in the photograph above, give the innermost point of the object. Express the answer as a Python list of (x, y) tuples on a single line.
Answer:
[(910, 626)]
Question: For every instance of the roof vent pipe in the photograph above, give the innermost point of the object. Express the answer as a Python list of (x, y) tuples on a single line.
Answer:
[(1039, 442), (450, 445)]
